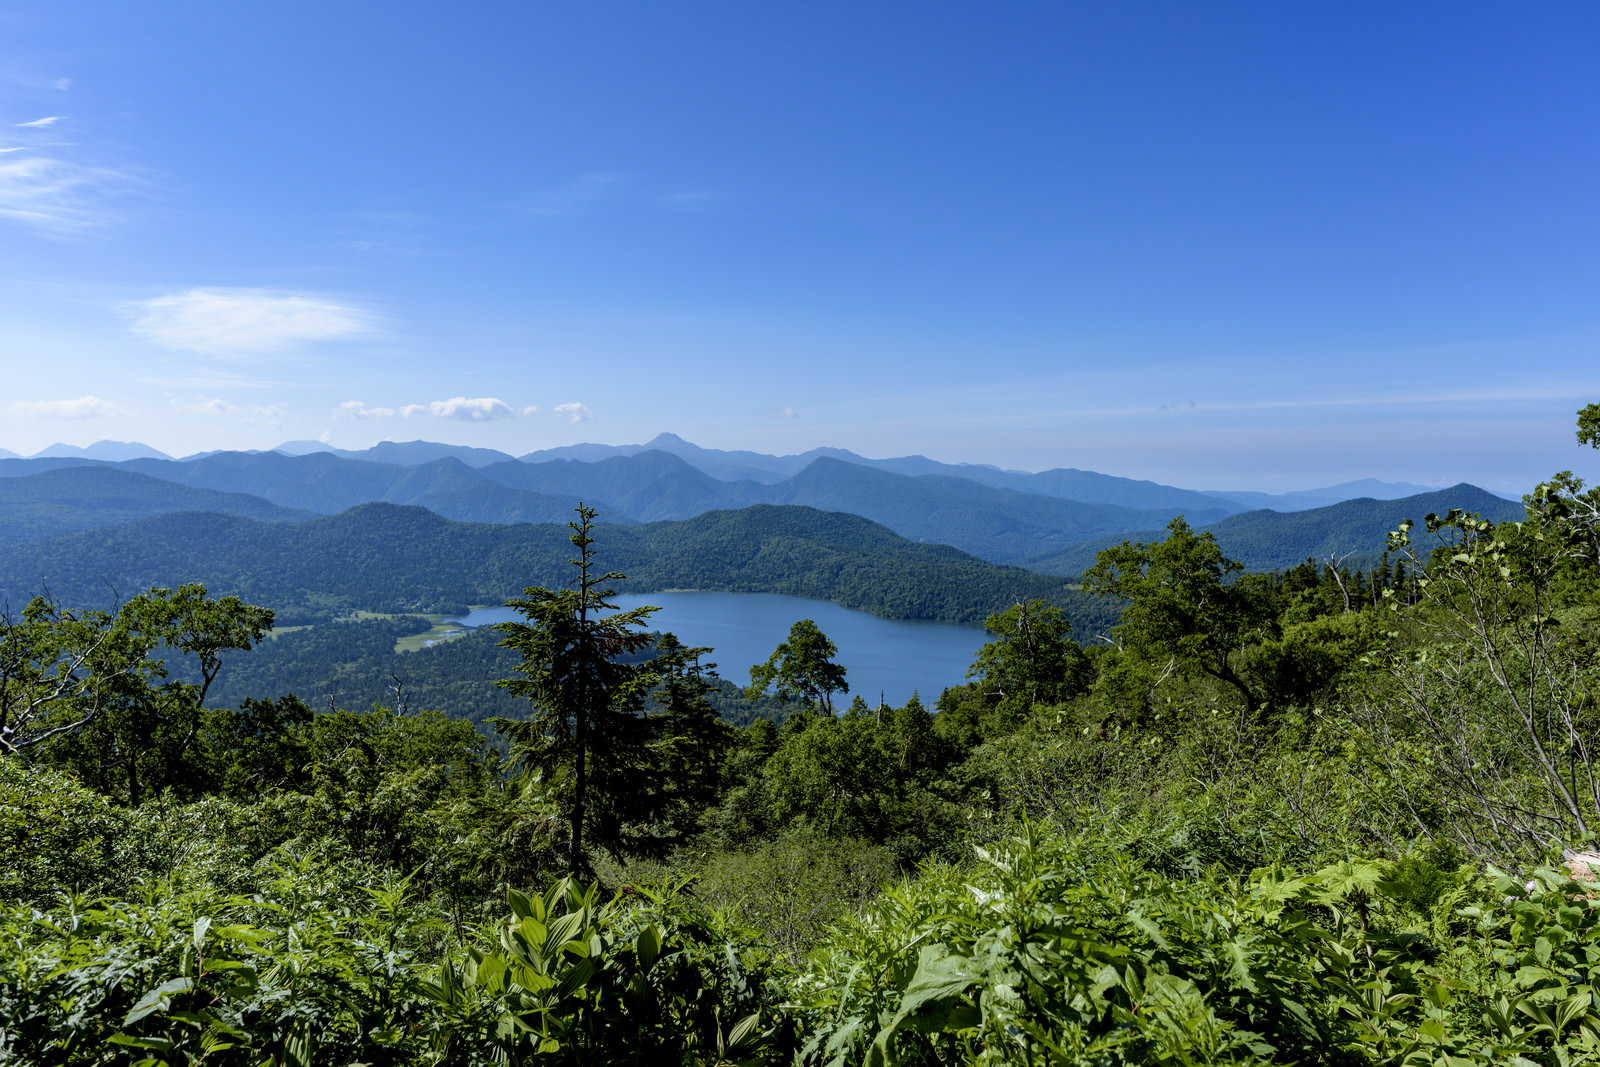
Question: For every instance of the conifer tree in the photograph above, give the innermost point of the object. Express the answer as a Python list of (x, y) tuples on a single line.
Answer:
[(692, 749), (587, 738)]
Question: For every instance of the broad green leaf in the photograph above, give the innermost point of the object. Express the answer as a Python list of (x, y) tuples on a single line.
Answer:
[(1149, 929), (299, 1048), (565, 930), (743, 1030), (648, 947), (156, 999), (940, 975), (521, 906)]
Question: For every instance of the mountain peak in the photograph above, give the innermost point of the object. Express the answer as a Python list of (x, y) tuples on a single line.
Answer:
[(111, 451), (304, 448)]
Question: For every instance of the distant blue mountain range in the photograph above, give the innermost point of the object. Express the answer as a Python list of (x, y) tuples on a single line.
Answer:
[(1042, 520)]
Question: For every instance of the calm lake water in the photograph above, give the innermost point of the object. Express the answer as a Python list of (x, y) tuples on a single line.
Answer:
[(879, 655)]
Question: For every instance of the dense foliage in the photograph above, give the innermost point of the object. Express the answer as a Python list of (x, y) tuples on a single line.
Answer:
[(1321, 816)]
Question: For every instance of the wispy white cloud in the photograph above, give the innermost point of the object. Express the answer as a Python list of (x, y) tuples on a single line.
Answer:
[(235, 322), (84, 407), (56, 196), (59, 188), (252, 414), (785, 412), (573, 197), (588, 193), (355, 409), (62, 84), (689, 199), (574, 412)]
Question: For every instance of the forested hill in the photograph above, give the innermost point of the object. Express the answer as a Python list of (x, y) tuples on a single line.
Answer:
[(1271, 540), (328, 484), (1268, 540), (70, 499), (384, 557), (1002, 525)]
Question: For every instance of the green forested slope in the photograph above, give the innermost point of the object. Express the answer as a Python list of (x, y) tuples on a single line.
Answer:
[(326, 483), (1267, 540), (1002, 525), (388, 558), (70, 499), (355, 665), (1271, 540), (650, 486)]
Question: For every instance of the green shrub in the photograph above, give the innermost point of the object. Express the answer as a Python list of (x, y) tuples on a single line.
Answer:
[(1046, 952), (790, 889), (55, 835)]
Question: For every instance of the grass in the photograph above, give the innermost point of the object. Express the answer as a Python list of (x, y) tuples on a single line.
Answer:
[(439, 631)]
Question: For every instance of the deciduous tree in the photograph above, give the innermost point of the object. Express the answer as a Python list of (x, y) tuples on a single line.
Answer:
[(1182, 604), (801, 666), (96, 684), (1034, 661)]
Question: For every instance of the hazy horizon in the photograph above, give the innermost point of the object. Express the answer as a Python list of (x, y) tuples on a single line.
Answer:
[(60, 449)]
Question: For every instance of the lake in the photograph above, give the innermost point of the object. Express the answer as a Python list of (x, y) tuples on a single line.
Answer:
[(887, 656)]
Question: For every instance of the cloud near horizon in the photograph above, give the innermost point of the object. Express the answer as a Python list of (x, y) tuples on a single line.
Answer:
[(236, 322), (461, 408), (253, 414), (355, 409), (84, 407)]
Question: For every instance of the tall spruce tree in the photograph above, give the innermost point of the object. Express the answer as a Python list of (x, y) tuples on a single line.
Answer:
[(587, 740)]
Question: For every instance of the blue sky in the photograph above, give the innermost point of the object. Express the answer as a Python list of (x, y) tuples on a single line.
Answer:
[(1218, 245)]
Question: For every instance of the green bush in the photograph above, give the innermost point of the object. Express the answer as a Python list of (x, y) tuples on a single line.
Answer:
[(56, 835), (316, 968), (1049, 952), (790, 889)]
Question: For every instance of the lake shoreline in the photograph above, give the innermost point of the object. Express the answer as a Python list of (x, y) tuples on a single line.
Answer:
[(891, 658)]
